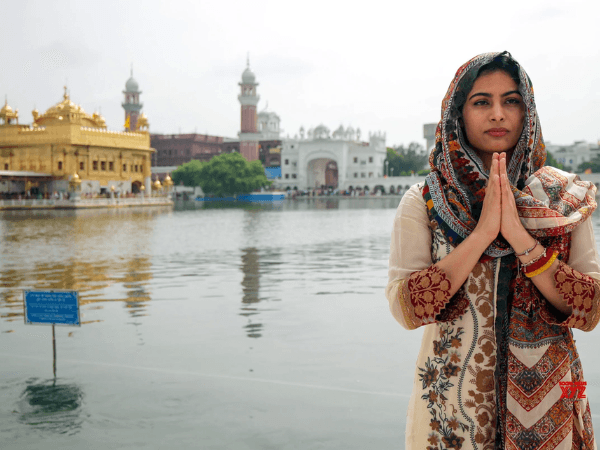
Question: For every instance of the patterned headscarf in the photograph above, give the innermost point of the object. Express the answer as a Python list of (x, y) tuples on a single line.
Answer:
[(550, 202)]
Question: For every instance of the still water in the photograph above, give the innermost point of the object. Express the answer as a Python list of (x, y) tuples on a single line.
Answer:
[(238, 328)]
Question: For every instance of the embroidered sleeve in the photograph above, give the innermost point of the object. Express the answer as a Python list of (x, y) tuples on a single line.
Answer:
[(423, 295), (418, 292), (581, 292)]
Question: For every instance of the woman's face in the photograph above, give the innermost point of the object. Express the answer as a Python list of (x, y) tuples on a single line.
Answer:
[(493, 114)]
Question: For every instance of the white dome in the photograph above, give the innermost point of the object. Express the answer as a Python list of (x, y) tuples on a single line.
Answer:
[(248, 76), (131, 85)]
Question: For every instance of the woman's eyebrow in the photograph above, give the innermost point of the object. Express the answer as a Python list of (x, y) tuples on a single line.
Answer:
[(511, 92), (485, 94)]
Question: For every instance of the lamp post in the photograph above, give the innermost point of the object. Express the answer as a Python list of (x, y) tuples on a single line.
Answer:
[(168, 183), (156, 186), (392, 169), (142, 189), (75, 185), (387, 172)]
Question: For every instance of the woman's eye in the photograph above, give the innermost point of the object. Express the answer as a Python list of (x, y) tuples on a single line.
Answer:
[(480, 102), (513, 101)]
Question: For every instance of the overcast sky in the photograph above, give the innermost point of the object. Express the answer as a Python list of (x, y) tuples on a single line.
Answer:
[(379, 66)]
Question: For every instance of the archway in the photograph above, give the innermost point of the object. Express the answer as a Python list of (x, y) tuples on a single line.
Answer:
[(322, 172), (135, 187)]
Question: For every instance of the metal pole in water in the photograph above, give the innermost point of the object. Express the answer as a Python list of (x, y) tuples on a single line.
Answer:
[(54, 350)]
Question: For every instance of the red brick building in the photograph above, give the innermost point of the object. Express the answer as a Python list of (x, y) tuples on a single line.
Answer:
[(177, 149)]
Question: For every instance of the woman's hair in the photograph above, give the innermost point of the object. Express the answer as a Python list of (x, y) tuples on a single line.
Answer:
[(503, 62)]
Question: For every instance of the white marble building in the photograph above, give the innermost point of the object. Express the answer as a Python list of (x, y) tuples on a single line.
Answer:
[(339, 159), (574, 154), (268, 125)]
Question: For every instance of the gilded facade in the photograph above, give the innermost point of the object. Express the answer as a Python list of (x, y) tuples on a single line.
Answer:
[(42, 157)]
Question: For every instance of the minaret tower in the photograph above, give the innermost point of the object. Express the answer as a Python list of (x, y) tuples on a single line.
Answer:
[(132, 105), (248, 134)]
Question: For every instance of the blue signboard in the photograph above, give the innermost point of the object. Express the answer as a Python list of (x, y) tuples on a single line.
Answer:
[(51, 307)]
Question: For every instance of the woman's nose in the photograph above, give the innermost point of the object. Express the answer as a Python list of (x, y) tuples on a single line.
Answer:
[(497, 112)]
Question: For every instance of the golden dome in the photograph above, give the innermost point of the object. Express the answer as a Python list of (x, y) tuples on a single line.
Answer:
[(142, 122), (67, 111), (168, 181), (7, 114), (100, 122), (157, 185), (75, 180), (6, 109)]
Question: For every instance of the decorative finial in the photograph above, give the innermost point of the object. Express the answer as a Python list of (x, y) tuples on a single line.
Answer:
[(66, 96), (5, 99), (248, 60), (131, 70)]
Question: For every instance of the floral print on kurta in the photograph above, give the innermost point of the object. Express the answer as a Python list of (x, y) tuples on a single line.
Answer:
[(454, 397)]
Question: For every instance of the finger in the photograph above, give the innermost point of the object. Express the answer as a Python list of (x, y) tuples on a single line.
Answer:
[(494, 169), (491, 185), (499, 186), (507, 193)]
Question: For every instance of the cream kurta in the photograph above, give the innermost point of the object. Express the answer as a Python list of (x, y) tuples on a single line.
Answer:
[(453, 400)]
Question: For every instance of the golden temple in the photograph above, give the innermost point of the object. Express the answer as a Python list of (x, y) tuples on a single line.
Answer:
[(66, 144)]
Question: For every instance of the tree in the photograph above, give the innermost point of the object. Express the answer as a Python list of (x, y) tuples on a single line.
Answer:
[(401, 159), (188, 173), (594, 165), (550, 161), (230, 173)]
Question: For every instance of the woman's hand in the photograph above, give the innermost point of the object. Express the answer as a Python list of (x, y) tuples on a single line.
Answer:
[(510, 225), (489, 223)]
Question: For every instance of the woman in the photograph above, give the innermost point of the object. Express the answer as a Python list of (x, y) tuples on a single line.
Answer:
[(495, 255)]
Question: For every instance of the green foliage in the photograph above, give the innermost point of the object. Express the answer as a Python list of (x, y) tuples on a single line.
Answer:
[(550, 161), (189, 173), (594, 164), (423, 172), (230, 173), (224, 175), (405, 160)]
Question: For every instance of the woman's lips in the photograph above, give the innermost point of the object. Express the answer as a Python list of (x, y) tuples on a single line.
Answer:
[(497, 132)]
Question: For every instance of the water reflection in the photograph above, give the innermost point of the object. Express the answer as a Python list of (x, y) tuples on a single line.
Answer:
[(51, 406), (93, 280), (136, 279), (258, 206), (102, 254), (250, 288)]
